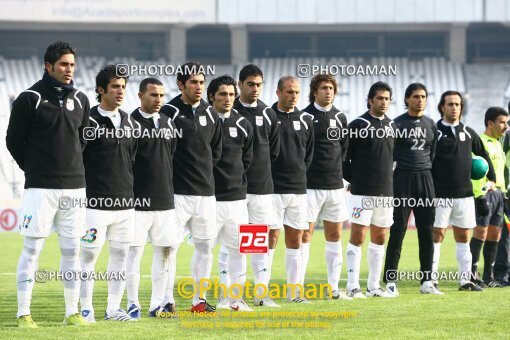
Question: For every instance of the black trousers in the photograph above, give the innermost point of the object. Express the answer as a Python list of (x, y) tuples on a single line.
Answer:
[(501, 266), (420, 186)]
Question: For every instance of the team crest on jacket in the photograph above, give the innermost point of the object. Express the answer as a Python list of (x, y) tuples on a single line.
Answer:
[(233, 132), (297, 125), (259, 120), (462, 136), (70, 104), (202, 120)]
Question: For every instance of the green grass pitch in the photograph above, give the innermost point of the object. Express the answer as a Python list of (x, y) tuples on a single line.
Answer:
[(412, 315)]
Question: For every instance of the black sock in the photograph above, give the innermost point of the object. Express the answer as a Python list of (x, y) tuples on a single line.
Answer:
[(476, 246), (489, 257)]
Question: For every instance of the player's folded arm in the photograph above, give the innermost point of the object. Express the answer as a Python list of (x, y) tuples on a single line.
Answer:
[(22, 114)]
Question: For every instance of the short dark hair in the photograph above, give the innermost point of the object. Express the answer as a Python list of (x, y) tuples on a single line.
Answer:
[(217, 82), (316, 82), (413, 87), (57, 50), (147, 81), (283, 79), (376, 87), (106, 74), (250, 70), (442, 101), (493, 113), (187, 70)]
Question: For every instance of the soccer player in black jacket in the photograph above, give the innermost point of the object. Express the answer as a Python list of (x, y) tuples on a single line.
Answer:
[(412, 182), (369, 169), (230, 182), (324, 178), (451, 171), (289, 177), (156, 223), (108, 160), (197, 152), (266, 146), (44, 137)]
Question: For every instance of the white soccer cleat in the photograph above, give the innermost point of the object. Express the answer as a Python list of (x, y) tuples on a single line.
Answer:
[(119, 315), (240, 306), (224, 303), (429, 288), (391, 289), (356, 293), (378, 292), (339, 294), (265, 302), (88, 315)]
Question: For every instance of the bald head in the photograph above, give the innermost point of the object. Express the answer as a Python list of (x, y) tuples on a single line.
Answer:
[(288, 93)]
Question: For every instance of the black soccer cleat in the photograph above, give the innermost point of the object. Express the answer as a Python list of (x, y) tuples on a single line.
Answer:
[(493, 284), (470, 286), (479, 283)]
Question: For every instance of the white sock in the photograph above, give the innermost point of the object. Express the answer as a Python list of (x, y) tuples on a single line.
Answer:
[(375, 257), (435, 260), (88, 259), (70, 262), (135, 254), (334, 263), (270, 255), (305, 255), (237, 270), (353, 266), (116, 264), (293, 268), (201, 266), (260, 266), (223, 270), (464, 259), (172, 266), (27, 265), (159, 274)]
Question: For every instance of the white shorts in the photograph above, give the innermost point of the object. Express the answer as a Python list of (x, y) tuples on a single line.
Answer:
[(326, 205), (44, 210), (111, 225), (378, 216), (158, 227), (197, 214), (291, 210), (461, 215), (261, 209), (229, 215)]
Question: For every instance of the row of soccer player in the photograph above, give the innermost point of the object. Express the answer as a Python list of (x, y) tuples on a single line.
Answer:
[(235, 161)]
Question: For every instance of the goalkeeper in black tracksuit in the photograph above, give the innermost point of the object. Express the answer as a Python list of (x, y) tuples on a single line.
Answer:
[(413, 187)]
